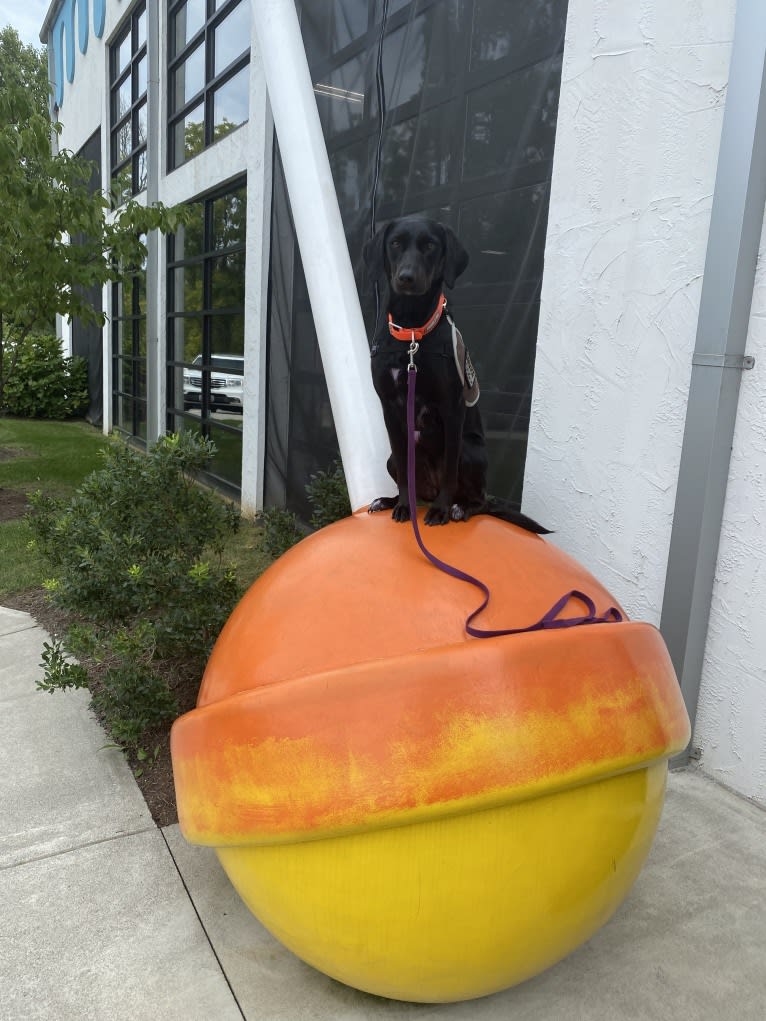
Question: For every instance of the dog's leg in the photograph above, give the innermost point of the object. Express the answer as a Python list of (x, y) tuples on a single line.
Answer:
[(442, 510)]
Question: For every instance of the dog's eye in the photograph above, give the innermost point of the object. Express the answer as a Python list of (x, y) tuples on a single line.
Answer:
[(429, 247), (396, 244)]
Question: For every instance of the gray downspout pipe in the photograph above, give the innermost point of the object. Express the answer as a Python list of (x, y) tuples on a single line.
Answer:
[(719, 356)]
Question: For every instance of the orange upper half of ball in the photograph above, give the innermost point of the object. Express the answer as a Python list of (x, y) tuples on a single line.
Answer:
[(361, 590)]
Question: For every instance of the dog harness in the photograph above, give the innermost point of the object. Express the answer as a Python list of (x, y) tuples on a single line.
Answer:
[(463, 363)]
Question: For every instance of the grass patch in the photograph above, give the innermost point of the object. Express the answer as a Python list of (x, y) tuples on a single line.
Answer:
[(51, 456)]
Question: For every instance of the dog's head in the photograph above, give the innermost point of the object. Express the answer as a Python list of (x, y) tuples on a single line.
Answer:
[(413, 255)]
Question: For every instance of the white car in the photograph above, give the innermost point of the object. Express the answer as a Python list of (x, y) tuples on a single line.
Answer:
[(226, 391)]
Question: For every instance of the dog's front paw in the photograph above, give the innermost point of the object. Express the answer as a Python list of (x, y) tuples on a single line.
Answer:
[(401, 512), (457, 513), (437, 514), (382, 503)]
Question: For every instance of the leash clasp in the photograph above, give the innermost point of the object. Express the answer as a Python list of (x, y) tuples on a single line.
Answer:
[(413, 350)]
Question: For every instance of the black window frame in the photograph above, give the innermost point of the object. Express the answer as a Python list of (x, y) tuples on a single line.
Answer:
[(177, 367), (215, 13), (138, 101), (131, 322)]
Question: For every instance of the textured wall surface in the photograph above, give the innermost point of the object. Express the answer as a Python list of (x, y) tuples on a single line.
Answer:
[(639, 127), (731, 721)]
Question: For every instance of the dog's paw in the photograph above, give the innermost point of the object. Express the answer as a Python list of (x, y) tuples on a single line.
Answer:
[(401, 512), (437, 515), (381, 504), (457, 513)]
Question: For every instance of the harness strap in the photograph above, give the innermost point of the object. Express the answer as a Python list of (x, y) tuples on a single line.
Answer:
[(549, 621)]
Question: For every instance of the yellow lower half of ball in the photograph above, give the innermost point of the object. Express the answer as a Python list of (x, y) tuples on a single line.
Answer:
[(459, 907)]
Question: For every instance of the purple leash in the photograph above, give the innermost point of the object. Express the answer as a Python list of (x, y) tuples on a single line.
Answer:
[(550, 620)]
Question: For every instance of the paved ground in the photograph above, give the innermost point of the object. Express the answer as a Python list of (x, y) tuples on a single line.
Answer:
[(103, 916)]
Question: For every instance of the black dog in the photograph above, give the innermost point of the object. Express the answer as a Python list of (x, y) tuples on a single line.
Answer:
[(413, 258)]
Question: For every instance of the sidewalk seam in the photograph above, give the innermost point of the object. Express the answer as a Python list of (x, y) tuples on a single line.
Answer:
[(202, 925), (79, 847)]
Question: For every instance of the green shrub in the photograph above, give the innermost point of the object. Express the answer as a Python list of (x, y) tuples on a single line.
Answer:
[(281, 530), (137, 554), (328, 495), (44, 383)]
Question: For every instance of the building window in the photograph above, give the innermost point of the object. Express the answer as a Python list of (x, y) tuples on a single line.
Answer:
[(129, 355), (208, 73), (127, 103), (206, 328)]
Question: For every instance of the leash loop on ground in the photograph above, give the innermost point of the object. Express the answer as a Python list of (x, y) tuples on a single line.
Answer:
[(551, 620)]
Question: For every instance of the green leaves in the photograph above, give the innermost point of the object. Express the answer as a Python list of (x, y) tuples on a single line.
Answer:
[(45, 202), (136, 554)]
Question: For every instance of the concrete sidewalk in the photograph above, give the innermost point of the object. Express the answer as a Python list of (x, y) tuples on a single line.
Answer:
[(103, 916)]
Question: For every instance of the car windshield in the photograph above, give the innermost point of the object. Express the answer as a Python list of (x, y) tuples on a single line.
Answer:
[(233, 365)]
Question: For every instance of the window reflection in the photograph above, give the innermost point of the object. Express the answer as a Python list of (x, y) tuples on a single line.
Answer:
[(127, 106), (187, 22), (340, 96), (516, 30), (231, 104), (210, 59), (232, 36), (512, 122)]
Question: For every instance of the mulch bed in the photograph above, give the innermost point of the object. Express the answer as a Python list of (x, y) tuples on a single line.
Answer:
[(13, 504)]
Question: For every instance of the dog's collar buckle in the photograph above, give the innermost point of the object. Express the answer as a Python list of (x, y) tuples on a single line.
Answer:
[(417, 333)]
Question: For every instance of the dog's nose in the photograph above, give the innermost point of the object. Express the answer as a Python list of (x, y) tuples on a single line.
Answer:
[(405, 276)]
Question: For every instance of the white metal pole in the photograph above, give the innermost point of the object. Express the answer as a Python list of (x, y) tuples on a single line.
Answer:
[(340, 328)]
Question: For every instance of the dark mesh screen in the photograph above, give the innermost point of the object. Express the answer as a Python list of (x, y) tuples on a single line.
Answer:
[(469, 92)]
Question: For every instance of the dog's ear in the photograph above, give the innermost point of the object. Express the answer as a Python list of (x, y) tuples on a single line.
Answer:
[(455, 257), (374, 255)]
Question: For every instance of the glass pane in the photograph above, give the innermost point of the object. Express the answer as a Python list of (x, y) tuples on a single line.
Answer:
[(227, 335), (512, 123), (228, 281), (141, 342), (184, 339), (349, 21), (189, 135), (125, 375), (122, 142), (118, 328), (122, 54), (140, 74), (229, 219), (517, 30), (349, 171), (187, 22), (231, 104), (232, 37), (340, 96), (188, 239), (505, 235), (227, 463), (121, 99), (189, 78), (404, 62), (140, 125), (141, 29), (139, 171), (187, 288), (417, 154)]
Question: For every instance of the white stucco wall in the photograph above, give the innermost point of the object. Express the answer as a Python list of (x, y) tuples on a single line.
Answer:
[(636, 152), (639, 126), (731, 722)]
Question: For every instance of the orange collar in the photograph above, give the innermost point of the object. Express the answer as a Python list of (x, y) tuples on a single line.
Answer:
[(418, 332)]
